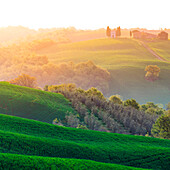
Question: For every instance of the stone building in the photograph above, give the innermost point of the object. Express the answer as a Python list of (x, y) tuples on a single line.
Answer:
[(163, 35)]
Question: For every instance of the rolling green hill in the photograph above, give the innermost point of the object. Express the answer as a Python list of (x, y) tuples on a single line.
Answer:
[(31, 144), (36, 162), (126, 60), (33, 104), (162, 48)]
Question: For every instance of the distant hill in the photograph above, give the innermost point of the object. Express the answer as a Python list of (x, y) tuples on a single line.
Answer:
[(14, 34), (17, 34), (31, 144), (33, 104), (126, 60)]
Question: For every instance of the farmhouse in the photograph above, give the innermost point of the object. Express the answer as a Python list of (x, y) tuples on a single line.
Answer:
[(113, 34), (136, 34), (163, 35), (143, 35)]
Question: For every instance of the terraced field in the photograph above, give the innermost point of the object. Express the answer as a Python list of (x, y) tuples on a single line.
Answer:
[(126, 60), (33, 104), (31, 144)]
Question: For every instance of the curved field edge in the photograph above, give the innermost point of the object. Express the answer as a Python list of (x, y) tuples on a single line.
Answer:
[(32, 103), (42, 139), (36, 162)]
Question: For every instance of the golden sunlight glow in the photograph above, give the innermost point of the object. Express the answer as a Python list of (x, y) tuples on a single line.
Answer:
[(85, 14)]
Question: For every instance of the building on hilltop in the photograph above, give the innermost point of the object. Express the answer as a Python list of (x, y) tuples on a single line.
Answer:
[(136, 34), (113, 33), (145, 35), (163, 35)]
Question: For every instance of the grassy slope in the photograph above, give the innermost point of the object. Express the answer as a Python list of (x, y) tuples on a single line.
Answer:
[(33, 138), (162, 48), (36, 162), (125, 59), (32, 103)]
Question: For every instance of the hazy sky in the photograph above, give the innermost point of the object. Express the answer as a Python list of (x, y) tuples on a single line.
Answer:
[(85, 14)]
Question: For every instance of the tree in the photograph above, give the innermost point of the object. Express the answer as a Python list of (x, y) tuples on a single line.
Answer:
[(71, 87), (151, 108), (72, 120), (94, 92), (132, 102), (115, 99), (25, 80), (152, 72), (118, 31), (161, 128), (108, 31), (130, 33)]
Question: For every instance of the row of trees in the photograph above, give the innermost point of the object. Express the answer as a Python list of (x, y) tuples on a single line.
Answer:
[(84, 75), (98, 113), (114, 115)]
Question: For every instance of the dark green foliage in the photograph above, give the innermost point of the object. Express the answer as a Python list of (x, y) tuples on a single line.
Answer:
[(29, 137), (161, 128), (32, 104), (14, 161)]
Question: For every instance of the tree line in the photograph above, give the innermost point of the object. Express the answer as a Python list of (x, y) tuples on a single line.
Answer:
[(112, 115), (84, 74)]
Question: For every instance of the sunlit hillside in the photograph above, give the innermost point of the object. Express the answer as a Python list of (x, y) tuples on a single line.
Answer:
[(125, 59), (84, 85), (162, 48)]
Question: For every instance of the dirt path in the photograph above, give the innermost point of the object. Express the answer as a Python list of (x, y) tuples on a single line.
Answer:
[(151, 51)]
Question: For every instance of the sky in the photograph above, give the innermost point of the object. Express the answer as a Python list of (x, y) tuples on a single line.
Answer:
[(85, 14)]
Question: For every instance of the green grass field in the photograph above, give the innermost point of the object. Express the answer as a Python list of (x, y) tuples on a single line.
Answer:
[(104, 52), (126, 59), (32, 104), (161, 48), (15, 161), (32, 144)]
